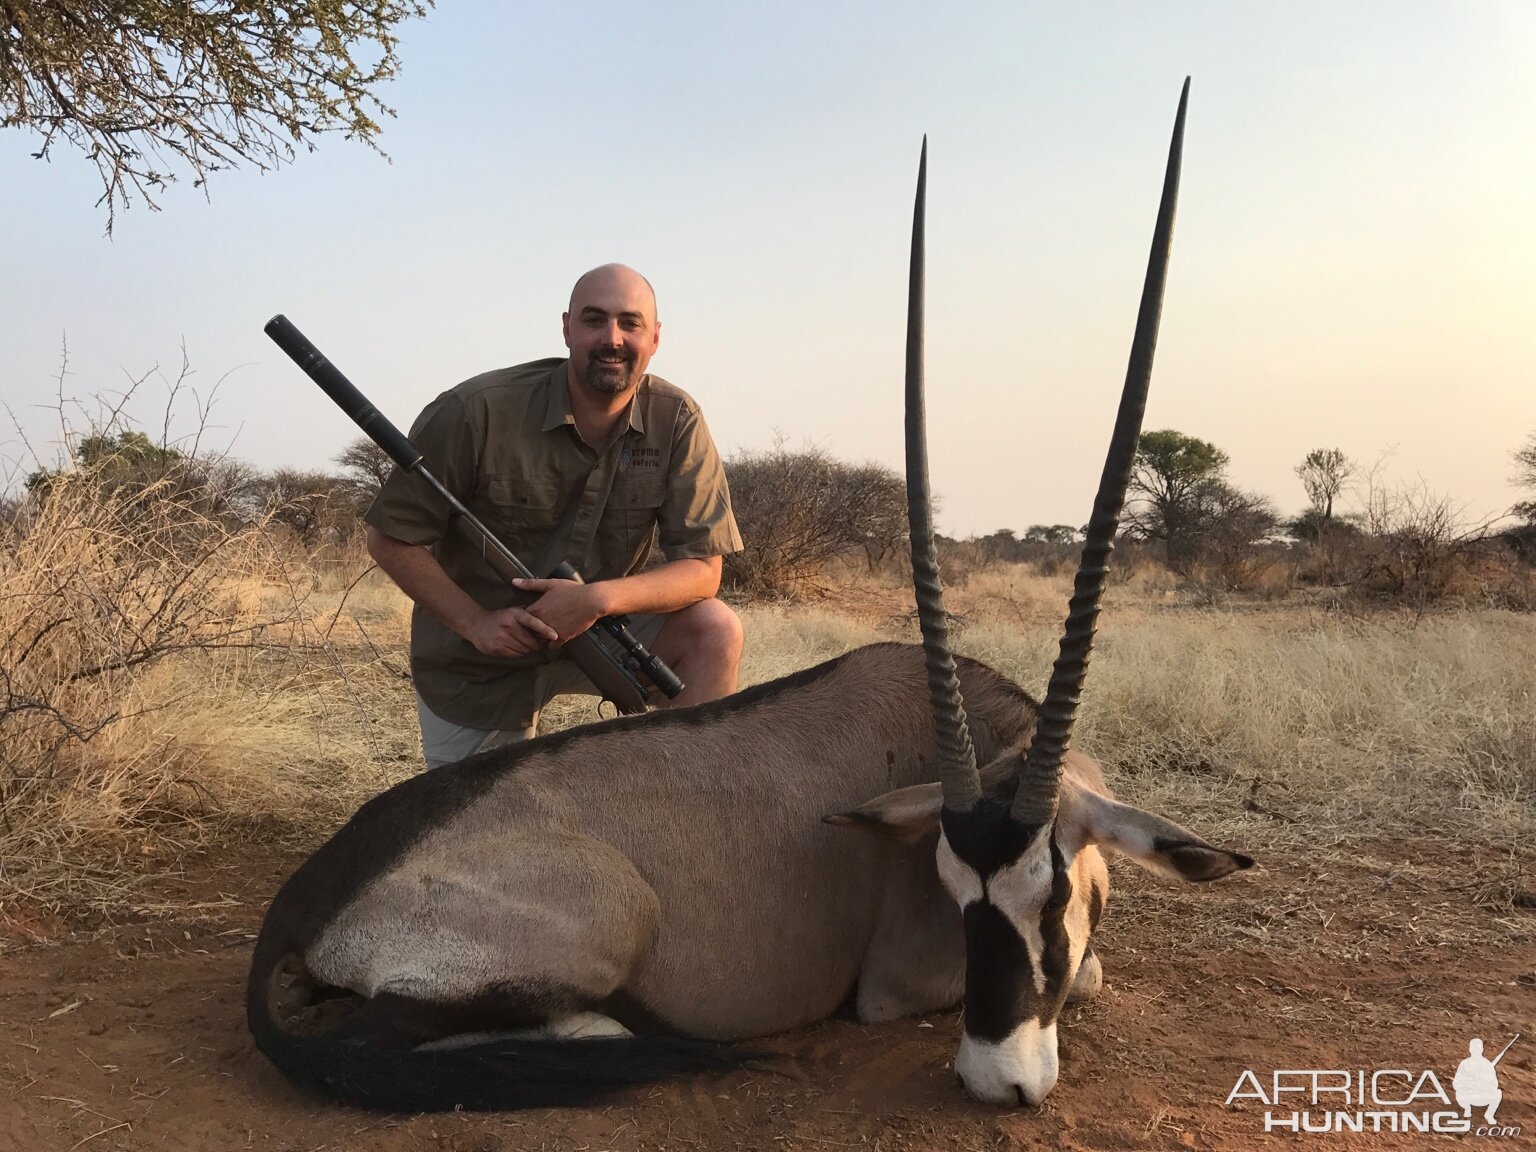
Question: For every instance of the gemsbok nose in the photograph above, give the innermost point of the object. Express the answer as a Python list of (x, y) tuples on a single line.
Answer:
[(1018, 1071)]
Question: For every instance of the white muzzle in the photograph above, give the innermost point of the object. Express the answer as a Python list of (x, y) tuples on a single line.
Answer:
[(1016, 1071)]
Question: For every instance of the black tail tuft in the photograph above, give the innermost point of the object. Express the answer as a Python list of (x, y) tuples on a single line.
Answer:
[(494, 1075), (497, 1075)]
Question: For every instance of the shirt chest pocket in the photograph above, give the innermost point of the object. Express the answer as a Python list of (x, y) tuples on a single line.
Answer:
[(635, 492), (629, 519), (523, 510)]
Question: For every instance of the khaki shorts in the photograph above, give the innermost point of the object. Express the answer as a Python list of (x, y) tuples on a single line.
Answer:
[(443, 742)]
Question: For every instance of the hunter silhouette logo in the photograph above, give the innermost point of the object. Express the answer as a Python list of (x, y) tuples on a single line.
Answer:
[(1477, 1080), (1319, 1100)]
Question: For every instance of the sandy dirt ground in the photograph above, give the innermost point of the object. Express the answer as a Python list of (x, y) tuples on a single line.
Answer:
[(130, 1034)]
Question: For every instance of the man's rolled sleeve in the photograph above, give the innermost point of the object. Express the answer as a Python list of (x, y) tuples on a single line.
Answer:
[(407, 508), (696, 521)]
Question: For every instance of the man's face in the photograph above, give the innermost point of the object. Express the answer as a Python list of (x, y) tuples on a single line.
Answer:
[(611, 330)]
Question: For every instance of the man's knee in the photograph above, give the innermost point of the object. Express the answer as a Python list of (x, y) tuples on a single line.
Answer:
[(708, 626), (703, 644), (721, 625)]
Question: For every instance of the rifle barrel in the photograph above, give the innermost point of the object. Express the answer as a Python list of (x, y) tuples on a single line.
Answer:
[(314, 364)]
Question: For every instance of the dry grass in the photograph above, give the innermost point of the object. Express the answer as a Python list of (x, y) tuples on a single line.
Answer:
[(1270, 727), (1386, 766), (1316, 726), (162, 673)]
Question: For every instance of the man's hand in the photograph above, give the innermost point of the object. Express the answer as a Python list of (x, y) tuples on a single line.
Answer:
[(510, 632), (569, 607)]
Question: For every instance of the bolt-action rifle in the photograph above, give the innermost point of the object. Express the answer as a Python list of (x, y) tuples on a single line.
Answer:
[(616, 676)]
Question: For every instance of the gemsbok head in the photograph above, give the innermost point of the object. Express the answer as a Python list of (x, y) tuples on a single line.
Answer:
[(1020, 840)]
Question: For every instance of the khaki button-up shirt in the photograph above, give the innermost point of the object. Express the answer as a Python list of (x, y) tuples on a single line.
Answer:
[(506, 444)]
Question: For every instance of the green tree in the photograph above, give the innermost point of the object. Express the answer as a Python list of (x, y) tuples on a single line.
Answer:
[(1164, 495), (113, 457), (1180, 496), (143, 86), (1058, 534), (1225, 524), (129, 446)]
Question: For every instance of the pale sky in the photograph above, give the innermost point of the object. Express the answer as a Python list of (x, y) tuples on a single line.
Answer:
[(1354, 264)]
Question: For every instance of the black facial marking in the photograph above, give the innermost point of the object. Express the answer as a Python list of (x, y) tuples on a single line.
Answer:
[(1095, 907), (997, 973), (999, 979), (1061, 882), (987, 837), (1056, 959)]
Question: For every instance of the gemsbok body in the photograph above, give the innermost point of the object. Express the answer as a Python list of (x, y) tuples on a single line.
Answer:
[(540, 923)]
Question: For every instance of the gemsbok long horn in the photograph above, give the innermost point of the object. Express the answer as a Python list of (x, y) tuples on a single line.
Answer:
[(1035, 801), (957, 757)]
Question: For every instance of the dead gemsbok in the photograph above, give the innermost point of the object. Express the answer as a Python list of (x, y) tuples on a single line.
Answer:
[(540, 923)]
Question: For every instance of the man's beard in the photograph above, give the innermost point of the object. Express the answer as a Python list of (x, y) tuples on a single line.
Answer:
[(608, 377)]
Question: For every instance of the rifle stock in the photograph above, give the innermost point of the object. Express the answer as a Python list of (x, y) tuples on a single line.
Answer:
[(609, 672)]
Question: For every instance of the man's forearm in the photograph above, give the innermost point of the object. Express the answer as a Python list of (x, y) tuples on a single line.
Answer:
[(665, 588), (422, 578)]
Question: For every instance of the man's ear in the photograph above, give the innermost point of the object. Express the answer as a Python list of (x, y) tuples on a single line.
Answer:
[(1158, 845), (906, 815)]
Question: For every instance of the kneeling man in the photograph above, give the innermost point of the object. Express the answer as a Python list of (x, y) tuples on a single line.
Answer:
[(582, 459)]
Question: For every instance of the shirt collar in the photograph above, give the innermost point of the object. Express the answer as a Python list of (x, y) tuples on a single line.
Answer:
[(557, 401)]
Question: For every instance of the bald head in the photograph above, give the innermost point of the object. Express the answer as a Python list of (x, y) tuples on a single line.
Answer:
[(611, 279)]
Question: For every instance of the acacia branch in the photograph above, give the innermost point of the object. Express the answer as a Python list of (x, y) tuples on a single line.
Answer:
[(208, 83)]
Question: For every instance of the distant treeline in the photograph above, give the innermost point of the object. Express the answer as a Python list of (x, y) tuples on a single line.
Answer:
[(802, 509)]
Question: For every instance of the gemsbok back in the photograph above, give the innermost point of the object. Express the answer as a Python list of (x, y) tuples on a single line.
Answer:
[(538, 924)]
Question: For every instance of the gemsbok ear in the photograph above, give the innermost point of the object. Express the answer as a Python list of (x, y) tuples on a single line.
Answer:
[(1157, 844), (906, 815)]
